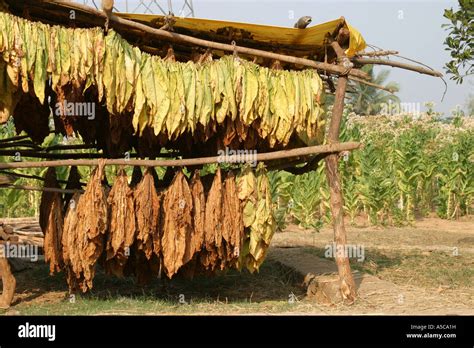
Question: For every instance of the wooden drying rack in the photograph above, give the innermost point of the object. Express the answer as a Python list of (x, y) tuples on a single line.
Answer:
[(344, 69)]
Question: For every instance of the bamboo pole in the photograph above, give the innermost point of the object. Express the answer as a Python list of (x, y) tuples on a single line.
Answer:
[(347, 284), (375, 61), (261, 157), (175, 37)]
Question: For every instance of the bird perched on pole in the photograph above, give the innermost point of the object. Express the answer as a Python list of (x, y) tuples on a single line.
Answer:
[(303, 22), (107, 7)]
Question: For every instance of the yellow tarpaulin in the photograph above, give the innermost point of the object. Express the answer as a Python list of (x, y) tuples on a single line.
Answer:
[(357, 42), (299, 38)]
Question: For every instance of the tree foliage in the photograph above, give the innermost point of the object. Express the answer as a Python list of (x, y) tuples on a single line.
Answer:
[(459, 42)]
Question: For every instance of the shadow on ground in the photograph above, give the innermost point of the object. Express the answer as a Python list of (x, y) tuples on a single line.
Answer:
[(274, 282)]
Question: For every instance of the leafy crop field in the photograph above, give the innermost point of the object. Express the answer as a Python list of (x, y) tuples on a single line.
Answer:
[(409, 168)]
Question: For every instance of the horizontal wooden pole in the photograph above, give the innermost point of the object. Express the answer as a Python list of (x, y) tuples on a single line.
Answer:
[(69, 147), (371, 84), (18, 144), (175, 37), (32, 177), (259, 157), (18, 221), (7, 140), (65, 156), (43, 189), (377, 53), (49, 155), (395, 64), (28, 234)]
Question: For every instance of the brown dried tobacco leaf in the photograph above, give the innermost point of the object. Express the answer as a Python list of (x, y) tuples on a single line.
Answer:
[(177, 223), (68, 92), (213, 224), (32, 117), (51, 222), (147, 205), (122, 228), (233, 226), (71, 244), (199, 213), (88, 232)]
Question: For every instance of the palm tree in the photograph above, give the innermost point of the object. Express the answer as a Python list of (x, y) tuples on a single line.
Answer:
[(368, 100)]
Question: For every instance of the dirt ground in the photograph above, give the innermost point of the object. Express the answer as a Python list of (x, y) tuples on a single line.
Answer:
[(426, 235), (427, 268)]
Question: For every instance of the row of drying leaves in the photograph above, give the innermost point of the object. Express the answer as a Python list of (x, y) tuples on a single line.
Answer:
[(135, 229), (167, 97)]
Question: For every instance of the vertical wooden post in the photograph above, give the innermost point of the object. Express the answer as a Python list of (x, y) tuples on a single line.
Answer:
[(347, 284), (9, 283)]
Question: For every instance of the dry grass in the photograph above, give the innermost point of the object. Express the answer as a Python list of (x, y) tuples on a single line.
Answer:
[(230, 292), (419, 268)]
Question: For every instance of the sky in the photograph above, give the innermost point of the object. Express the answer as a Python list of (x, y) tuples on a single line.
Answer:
[(411, 27)]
